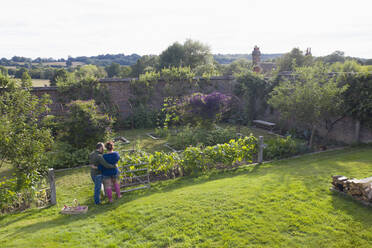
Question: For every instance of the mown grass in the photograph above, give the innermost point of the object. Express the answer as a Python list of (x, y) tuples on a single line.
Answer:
[(281, 204)]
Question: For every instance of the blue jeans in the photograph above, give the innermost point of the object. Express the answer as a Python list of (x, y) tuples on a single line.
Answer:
[(97, 187)]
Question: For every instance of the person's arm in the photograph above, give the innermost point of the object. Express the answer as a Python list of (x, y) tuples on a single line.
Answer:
[(104, 163)]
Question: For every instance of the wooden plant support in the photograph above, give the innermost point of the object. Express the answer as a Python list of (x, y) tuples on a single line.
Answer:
[(171, 148), (152, 136), (122, 139), (135, 175), (52, 182)]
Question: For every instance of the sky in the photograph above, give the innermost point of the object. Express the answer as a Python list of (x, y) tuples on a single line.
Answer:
[(50, 28)]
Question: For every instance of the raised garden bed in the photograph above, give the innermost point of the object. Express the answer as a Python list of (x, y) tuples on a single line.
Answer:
[(122, 139), (152, 136)]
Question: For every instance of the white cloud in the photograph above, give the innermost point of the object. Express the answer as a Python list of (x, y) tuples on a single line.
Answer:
[(82, 27)]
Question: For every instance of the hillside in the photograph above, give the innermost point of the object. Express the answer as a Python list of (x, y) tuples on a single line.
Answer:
[(229, 58)]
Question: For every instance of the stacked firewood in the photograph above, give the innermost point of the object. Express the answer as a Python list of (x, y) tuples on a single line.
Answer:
[(360, 189)]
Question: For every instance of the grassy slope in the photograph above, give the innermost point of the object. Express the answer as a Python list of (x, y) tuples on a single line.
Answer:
[(280, 204)]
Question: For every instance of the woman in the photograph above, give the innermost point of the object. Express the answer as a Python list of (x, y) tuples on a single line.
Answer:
[(111, 176)]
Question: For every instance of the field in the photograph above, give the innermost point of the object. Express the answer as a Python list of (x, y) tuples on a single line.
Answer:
[(40, 82), (279, 204)]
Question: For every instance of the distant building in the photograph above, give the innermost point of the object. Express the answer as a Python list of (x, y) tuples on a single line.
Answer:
[(258, 66)]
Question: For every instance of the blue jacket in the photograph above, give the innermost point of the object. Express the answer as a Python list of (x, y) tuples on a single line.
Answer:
[(111, 158)]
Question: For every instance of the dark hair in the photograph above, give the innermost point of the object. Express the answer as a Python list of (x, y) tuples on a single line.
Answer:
[(109, 145), (99, 145)]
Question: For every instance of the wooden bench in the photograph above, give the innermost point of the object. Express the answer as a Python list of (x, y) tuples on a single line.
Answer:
[(264, 124)]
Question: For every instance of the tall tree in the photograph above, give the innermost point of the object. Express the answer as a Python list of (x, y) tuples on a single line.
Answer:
[(23, 139), (60, 75), (113, 70), (173, 56), (293, 59), (145, 63), (311, 98), (191, 54)]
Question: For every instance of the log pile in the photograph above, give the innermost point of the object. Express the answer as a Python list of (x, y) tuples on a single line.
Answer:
[(360, 189)]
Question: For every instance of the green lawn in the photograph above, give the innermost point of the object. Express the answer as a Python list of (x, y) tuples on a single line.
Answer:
[(280, 204)]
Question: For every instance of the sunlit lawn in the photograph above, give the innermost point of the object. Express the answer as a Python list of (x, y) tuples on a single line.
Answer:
[(280, 204)]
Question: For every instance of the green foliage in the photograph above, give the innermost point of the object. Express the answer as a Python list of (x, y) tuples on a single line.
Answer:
[(20, 72), (86, 88), (84, 125), (64, 155), (145, 63), (278, 148), (349, 66), (3, 70), (113, 70), (161, 132), (141, 117), (90, 71), (195, 159), (143, 88), (174, 74), (26, 80), (238, 67), (23, 140), (293, 59), (252, 90), (191, 54), (358, 97), (177, 81), (196, 136), (206, 71), (336, 56), (313, 97), (173, 56), (60, 75)]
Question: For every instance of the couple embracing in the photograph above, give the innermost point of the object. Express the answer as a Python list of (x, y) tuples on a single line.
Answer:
[(104, 169)]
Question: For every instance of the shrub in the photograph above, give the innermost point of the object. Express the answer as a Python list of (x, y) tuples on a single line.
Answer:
[(141, 117), (200, 136), (64, 155), (204, 110), (241, 150), (278, 148), (84, 125)]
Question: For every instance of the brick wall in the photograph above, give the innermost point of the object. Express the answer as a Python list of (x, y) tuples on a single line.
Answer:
[(119, 90)]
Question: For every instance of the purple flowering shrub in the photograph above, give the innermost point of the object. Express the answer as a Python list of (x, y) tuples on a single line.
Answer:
[(203, 109)]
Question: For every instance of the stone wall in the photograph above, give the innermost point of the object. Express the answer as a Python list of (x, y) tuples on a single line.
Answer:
[(56, 108), (344, 131)]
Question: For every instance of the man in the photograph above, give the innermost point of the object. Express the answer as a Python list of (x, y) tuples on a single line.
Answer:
[(95, 159)]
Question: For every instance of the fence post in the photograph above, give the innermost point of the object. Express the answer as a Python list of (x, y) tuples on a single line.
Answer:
[(53, 195), (260, 149)]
